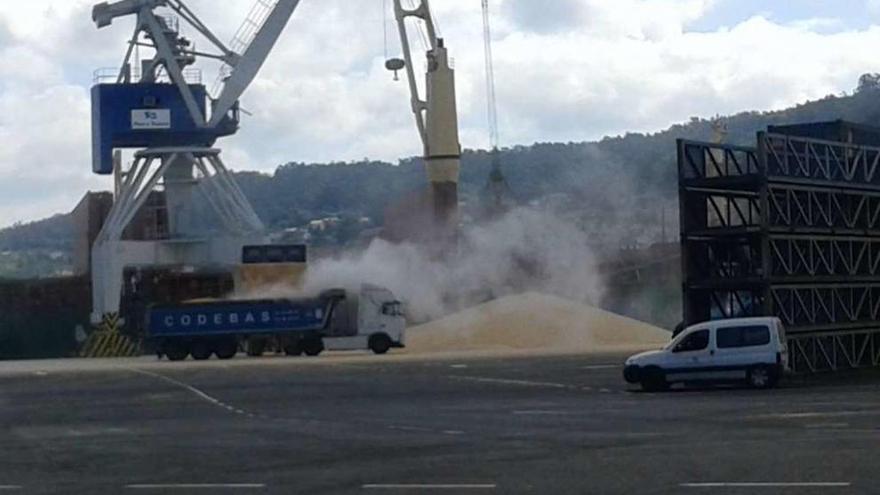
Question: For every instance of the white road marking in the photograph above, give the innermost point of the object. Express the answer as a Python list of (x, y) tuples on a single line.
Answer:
[(409, 428), (539, 412), (41, 373), (524, 383), (505, 381), (429, 486), (769, 484), (815, 414), (197, 392), (453, 432), (458, 366), (197, 486), (601, 367), (827, 425), (11, 487)]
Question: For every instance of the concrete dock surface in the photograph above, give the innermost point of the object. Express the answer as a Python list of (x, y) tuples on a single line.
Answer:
[(432, 423)]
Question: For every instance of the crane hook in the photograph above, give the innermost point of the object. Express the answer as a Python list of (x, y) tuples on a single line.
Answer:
[(395, 65)]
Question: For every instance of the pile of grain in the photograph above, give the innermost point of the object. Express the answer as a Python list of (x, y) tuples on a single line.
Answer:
[(534, 321)]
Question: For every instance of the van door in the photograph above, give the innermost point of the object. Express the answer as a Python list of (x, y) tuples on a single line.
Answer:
[(691, 357), (731, 356), (740, 347)]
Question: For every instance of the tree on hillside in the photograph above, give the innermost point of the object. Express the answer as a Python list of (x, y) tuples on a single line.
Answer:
[(868, 82)]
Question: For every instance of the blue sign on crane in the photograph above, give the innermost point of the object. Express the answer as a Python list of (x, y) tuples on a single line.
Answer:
[(162, 109), (148, 115)]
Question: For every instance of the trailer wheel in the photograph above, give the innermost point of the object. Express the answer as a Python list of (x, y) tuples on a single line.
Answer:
[(312, 347), (200, 350), (175, 351), (226, 349), (293, 349), (380, 344), (256, 347)]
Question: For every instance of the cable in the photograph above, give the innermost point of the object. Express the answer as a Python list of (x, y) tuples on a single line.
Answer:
[(420, 28), (385, 27), (491, 100)]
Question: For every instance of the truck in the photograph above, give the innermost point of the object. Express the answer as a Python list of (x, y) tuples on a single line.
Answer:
[(337, 319)]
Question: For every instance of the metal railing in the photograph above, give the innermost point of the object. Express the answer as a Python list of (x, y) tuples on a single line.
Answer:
[(245, 35), (111, 75)]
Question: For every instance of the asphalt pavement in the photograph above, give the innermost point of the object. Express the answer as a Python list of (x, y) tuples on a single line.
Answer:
[(552, 424)]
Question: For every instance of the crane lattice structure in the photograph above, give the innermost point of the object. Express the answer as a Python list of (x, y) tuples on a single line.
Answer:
[(790, 228)]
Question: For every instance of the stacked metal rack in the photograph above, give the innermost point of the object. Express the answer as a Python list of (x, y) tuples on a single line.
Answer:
[(789, 228)]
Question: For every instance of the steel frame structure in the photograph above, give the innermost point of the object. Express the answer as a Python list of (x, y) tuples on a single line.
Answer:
[(833, 351), (112, 253), (789, 228)]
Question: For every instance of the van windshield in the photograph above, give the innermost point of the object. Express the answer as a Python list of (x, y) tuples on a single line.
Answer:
[(675, 340)]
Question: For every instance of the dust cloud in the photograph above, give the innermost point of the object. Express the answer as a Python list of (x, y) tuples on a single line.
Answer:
[(527, 249), (527, 281)]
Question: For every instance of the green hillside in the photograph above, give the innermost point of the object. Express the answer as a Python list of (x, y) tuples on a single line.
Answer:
[(618, 181)]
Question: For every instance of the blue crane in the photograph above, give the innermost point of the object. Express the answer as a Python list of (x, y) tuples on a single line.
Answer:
[(160, 107)]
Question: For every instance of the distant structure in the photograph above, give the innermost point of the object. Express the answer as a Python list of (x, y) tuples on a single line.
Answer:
[(719, 130), (496, 197)]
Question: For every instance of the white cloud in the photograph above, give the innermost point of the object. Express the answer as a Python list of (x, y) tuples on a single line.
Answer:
[(566, 70)]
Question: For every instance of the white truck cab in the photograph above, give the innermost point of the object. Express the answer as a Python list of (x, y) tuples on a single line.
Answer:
[(752, 350), (371, 319)]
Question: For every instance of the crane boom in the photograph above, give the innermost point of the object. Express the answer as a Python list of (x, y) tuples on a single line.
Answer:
[(256, 51), (243, 60)]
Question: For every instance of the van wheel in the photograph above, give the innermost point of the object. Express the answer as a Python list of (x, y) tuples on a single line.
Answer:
[(654, 380), (175, 351), (200, 351), (380, 344), (313, 347), (761, 377)]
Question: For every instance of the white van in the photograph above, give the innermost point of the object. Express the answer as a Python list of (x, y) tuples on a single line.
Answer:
[(752, 350)]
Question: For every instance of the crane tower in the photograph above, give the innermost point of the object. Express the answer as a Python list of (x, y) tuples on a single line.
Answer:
[(436, 115)]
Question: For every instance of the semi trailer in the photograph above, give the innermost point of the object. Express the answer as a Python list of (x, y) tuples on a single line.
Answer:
[(334, 320)]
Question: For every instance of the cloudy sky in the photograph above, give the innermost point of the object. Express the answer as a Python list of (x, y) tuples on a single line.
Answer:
[(567, 70)]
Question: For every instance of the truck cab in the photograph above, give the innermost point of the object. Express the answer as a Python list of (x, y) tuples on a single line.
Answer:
[(371, 319), (750, 350)]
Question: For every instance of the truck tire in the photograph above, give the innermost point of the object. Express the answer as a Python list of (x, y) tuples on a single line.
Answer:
[(380, 344), (200, 350), (293, 349), (175, 351), (226, 349), (312, 347), (256, 347)]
